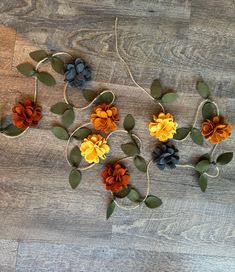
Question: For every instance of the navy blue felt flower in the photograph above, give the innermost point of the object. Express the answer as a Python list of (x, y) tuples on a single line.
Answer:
[(77, 73), (165, 155)]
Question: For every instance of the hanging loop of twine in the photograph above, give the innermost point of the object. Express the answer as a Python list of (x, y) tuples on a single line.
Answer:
[(129, 70)]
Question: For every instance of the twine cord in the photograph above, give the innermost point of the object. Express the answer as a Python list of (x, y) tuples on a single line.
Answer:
[(191, 166), (146, 194), (128, 68), (91, 103)]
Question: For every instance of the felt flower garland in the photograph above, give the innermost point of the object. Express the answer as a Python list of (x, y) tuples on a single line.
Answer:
[(104, 118)]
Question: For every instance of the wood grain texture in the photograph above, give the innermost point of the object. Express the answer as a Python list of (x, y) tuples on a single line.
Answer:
[(40, 257), (61, 229), (8, 252)]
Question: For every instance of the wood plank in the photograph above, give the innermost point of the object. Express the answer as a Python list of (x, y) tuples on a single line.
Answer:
[(54, 257), (7, 45), (8, 252)]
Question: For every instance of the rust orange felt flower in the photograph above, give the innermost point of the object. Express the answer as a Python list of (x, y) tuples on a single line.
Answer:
[(216, 130), (115, 177), (26, 114), (105, 117), (93, 148), (163, 126)]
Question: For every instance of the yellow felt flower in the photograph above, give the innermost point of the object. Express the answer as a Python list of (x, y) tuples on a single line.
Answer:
[(94, 148), (163, 127)]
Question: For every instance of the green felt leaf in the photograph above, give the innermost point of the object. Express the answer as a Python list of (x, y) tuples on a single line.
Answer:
[(38, 55), (202, 166), (110, 209), (225, 158), (74, 178), (203, 89), (89, 95), (106, 97), (75, 156), (208, 110), (129, 122), (134, 195), (152, 202), (58, 65), (123, 193), (68, 117), (202, 182), (169, 97), (46, 78), (26, 69), (156, 89), (205, 156), (140, 163), (60, 133), (130, 149), (60, 107), (181, 133), (12, 130), (196, 136), (82, 133)]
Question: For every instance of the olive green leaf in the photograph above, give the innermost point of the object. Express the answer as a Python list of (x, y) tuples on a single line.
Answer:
[(156, 89), (202, 182), (140, 163), (74, 178), (209, 110), (46, 78), (129, 122), (26, 69), (225, 158), (68, 117), (203, 89), (11, 130), (38, 55), (196, 136), (169, 97), (202, 166), (75, 156), (130, 149), (123, 193), (110, 209), (205, 156), (89, 95), (82, 133), (60, 133), (134, 195), (181, 133), (60, 107), (106, 97), (58, 65), (152, 202)]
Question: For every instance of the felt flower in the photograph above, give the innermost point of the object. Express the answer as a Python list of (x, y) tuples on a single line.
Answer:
[(77, 73), (94, 148), (26, 114), (165, 155), (163, 127), (105, 117), (216, 130), (115, 177)]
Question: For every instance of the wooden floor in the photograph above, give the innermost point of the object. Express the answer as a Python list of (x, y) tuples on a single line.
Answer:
[(45, 225)]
